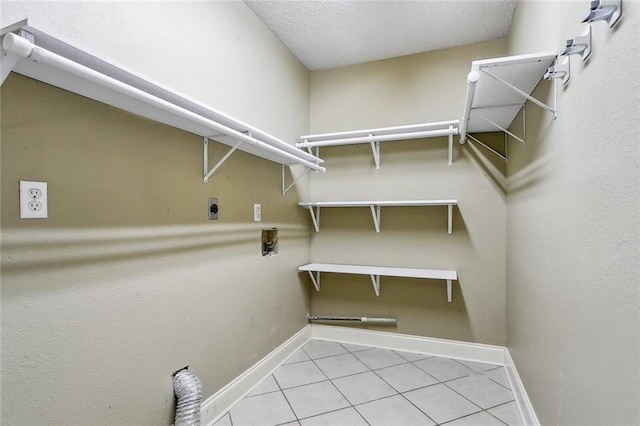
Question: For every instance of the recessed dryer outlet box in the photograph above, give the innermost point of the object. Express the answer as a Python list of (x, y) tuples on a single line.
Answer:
[(213, 208), (33, 200)]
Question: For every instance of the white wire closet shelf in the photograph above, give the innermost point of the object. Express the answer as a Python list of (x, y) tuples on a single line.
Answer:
[(375, 272), (38, 55), (498, 88), (375, 206), (383, 134)]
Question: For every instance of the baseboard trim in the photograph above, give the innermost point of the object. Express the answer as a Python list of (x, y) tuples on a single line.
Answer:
[(522, 399), (404, 342), (220, 402)]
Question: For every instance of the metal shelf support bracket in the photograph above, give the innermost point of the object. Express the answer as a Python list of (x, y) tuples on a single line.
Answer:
[(521, 93), (315, 217), (450, 145), (315, 279), (375, 213), (375, 280), (206, 173), (375, 147), (295, 180), (604, 10), (560, 69)]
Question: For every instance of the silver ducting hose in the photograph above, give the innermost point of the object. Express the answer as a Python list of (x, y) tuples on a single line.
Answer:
[(188, 392)]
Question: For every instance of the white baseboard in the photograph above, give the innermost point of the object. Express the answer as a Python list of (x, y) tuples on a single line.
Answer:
[(219, 403), (522, 399), (403, 342)]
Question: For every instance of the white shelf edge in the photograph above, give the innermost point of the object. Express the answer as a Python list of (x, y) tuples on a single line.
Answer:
[(375, 206), (375, 272), (388, 203), (384, 134), (411, 128)]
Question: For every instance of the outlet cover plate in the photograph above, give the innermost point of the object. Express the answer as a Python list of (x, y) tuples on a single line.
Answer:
[(33, 200)]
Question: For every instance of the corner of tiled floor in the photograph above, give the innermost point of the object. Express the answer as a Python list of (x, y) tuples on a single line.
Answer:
[(328, 383)]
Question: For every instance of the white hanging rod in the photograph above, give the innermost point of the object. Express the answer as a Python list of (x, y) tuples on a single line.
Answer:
[(25, 49), (380, 138), (427, 130), (383, 130), (472, 79)]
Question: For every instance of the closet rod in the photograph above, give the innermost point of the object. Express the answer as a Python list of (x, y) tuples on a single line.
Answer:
[(27, 50), (472, 79), (380, 138)]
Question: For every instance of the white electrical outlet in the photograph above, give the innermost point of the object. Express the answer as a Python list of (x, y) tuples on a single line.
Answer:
[(257, 213), (33, 200)]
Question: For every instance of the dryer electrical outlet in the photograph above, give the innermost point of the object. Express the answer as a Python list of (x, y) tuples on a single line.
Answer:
[(213, 208), (33, 200)]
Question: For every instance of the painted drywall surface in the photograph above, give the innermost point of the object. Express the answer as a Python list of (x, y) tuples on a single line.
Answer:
[(218, 52), (409, 90), (573, 227), (127, 280)]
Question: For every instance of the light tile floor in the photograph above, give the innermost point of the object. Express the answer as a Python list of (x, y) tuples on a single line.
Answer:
[(328, 383)]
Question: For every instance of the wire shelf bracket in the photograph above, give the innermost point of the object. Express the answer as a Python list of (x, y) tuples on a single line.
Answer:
[(498, 88), (375, 137), (553, 110), (375, 272), (295, 180), (45, 58), (206, 173), (375, 207)]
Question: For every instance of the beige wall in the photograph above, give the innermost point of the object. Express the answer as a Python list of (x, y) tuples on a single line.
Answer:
[(573, 227), (127, 281), (217, 52), (415, 89)]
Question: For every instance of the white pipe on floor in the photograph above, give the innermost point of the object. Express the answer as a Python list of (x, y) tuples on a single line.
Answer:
[(25, 49), (353, 319)]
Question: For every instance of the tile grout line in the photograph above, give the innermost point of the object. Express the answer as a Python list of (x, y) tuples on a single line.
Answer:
[(481, 409), (402, 394), (444, 382), (328, 380), (375, 371), (471, 372), (497, 367), (334, 385), (284, 396)]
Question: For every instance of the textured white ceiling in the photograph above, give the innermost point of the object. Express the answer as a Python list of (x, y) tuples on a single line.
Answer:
[(326, 34)]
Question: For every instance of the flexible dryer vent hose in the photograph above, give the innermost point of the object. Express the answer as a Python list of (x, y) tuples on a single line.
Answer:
[(188, 392)]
